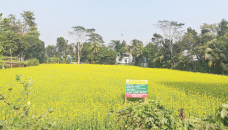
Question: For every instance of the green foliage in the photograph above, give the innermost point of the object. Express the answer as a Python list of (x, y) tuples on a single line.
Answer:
[(221, 115), (33, 62), (152, 114), (52, 60), (22, 37), (61, 46), (220, 118), (149, 115), (22, 116), (36, 48), (12, 41)]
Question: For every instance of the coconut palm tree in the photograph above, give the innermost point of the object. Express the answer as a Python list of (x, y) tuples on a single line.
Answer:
[(95, 47), (136, 49), (215, 53), (216, 48)]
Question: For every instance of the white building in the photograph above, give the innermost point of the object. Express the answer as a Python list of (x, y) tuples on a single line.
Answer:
[(126, 59), (186, 53)]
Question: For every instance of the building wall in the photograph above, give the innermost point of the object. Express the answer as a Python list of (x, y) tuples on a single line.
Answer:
[(125, 60)]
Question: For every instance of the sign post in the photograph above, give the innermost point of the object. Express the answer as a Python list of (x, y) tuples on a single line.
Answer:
[(136, 89)]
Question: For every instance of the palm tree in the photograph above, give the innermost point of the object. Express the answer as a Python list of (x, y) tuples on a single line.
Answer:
[(216, 48), (115, 45), (136, 48), (95, 47), (215, 53)]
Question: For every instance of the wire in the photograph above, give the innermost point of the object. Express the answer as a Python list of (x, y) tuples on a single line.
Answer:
[(51, 11)]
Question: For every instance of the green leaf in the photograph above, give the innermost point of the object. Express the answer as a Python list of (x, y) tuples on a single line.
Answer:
[(224, 113), (54, 124), (50, 110), (1, 97), (16, 107), (18, 77), (37, 127), (16, 119), (18, 99), (49, 124)]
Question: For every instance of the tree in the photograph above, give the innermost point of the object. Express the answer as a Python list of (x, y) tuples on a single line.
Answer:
[(149, 50), (172, 32), (222, 27), (22, 37), (11, 41), (106, 56), (137, 50), (215, 51), (120, 48), (29, 25), (51, 50), (61, 46), (94, 37), (95, 47), (81, 35), (70, 49), (36, 48), (87, 50)]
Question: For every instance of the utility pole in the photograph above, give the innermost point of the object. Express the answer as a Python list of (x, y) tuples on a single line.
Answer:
[(11, 58), (78, 53)]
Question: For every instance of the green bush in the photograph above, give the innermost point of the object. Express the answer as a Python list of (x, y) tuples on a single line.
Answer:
[(33, 62), (147, 115), (220, 118), (152, 114)]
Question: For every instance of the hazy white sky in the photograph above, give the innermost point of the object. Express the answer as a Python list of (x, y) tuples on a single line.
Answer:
[(135, 19)]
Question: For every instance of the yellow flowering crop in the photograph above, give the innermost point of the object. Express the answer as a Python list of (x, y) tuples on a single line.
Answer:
[(83, 94)]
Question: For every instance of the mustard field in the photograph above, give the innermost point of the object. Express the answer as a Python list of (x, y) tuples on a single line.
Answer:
[(82, 95)]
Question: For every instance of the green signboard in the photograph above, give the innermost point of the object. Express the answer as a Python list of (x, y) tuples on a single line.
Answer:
[(136, 88)]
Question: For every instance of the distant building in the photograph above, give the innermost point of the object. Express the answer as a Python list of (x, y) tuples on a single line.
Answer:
[(126, 58), (186, 53)]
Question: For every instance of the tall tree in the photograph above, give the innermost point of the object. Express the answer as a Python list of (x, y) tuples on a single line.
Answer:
[(81, 35), (51, 50), (216, 51), (171, 31), (70, 50), (29, 25), (137, 50), (36, 48), (61, 46), (95, 47)]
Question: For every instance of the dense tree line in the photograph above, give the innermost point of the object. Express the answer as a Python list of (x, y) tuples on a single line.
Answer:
[(93, 52), (204, 52), (21, 36), (175, 48)]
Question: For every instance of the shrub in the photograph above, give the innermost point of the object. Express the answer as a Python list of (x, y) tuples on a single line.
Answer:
[(21, 117), (33, 62), (154, 115)]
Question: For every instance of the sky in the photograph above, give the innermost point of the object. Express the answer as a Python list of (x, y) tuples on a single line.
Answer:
[(134, 19)]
